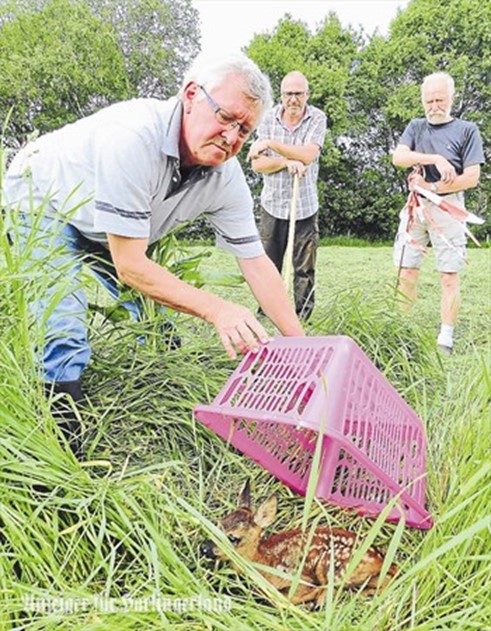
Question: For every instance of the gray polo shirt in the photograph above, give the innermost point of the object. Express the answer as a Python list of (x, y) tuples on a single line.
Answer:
[(117, 171)]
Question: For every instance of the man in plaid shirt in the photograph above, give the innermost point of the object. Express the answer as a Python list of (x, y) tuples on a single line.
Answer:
[(289, 142)]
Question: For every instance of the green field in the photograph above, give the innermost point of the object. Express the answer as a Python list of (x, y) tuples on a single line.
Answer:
[(127, 524), (343, 270)]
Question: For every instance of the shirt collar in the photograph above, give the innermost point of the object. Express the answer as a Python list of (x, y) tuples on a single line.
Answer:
[(280, 109), (172, 129)]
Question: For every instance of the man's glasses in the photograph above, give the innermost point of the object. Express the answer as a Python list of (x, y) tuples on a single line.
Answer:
[(225, 119), (288, 95)]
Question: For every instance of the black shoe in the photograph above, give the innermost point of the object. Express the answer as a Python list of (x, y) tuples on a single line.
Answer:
[(63, 412), (172, 340)]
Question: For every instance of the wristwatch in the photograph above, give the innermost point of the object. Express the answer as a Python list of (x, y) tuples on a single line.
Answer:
[(435, 187)]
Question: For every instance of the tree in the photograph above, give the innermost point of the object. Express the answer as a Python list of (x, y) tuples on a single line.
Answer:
[(325, 58), (58, 63), (64, 59), (369, 89), (158, 39)]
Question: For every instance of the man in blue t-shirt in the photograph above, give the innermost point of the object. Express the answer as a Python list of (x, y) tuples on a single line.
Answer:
[(450, 153)]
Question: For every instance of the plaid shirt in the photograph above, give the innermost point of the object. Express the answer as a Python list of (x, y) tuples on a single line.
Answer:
[(276, 195)]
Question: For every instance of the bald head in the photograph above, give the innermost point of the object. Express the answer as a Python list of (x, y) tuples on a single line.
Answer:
[(295, 79), (294, 95)]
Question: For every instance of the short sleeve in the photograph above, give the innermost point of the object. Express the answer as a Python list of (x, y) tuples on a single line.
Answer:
[(316, 132), (472, 149), (408, 137), (232, 218), (123, 166)]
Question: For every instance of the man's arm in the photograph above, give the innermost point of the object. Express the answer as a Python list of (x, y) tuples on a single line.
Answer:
[(405, 157), (304, 153), (267, 286), (235, 324), (271, 164), (295, 158), (468, 179)]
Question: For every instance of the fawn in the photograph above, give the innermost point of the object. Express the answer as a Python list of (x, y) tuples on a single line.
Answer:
[(284, 551)]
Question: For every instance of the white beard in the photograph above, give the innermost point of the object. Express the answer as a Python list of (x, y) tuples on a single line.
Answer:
[(438, 118)]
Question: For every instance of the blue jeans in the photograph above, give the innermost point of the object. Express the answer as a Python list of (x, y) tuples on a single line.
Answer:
[(60, 249)]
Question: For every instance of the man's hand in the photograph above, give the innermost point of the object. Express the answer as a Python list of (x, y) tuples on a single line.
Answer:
[(295, 167), (416, 179), (405, 157), (238, 328), (446, 170), (257, 148)]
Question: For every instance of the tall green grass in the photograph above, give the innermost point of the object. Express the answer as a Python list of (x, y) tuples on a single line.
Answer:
[(128, 521)]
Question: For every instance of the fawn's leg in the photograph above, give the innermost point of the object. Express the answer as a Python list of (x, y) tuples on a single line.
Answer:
[(305, 594)]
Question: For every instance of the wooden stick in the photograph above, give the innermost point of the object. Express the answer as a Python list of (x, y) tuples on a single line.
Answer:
[(288, 258)]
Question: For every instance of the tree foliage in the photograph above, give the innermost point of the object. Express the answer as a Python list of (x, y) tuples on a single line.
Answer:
[(325, 58), (58, 63), (63, 59), (445, 35), (158, 39)]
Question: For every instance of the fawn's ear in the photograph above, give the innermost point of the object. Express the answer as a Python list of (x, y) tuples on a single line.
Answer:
[(244, 499), (266, 513)]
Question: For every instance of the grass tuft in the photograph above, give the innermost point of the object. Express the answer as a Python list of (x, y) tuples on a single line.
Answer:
[(127, 524)]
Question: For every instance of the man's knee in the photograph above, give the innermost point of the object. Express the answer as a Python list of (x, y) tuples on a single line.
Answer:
[(407, 286), (449, 281), (409, 274), (65, 358)]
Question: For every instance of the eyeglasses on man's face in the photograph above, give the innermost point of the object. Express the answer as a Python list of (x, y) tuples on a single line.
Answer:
[(297, 95), (224, 119)]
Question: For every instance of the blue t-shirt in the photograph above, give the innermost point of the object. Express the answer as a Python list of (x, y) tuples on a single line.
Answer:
[(458, 141)]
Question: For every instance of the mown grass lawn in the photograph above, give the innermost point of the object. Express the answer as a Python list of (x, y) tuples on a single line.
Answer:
[(127, 523), (370, 270)]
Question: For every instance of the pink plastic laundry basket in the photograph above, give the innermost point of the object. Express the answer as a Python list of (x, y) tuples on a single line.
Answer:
[(277, 401)]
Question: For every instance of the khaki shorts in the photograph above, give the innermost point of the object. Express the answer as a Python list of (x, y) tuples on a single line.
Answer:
[(446, 234)]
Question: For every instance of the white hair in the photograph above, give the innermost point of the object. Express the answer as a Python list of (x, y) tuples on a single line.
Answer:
[(214, 72), (440, 76)]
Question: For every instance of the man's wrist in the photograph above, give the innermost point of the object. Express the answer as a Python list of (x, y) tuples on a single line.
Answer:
[(435, 187)]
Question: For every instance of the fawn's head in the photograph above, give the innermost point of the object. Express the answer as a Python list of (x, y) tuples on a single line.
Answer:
[(243, 526)]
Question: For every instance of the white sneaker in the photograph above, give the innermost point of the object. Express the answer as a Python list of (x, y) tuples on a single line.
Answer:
[(445, 344)]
